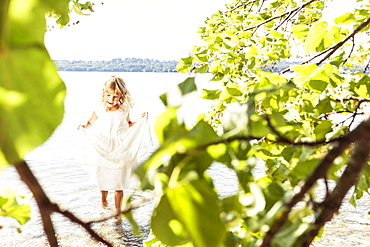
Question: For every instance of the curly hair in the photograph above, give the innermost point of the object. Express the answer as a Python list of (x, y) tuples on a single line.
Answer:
[(116, 85)]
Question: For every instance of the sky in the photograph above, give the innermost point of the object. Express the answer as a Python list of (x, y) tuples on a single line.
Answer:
[(155, 29)]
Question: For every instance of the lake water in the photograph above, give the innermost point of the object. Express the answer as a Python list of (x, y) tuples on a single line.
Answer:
[(67, 184)]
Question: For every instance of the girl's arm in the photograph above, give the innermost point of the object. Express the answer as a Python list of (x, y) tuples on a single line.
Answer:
[(89, 122), (132, 123)]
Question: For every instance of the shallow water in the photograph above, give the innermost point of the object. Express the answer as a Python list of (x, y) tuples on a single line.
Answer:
[(67, 184)]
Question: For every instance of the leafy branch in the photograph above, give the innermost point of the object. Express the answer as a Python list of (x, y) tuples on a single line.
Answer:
[(334, 48), (360, 136), (289, 13)]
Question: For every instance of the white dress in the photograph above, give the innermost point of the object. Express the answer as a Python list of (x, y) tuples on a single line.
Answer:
[(110, 150)]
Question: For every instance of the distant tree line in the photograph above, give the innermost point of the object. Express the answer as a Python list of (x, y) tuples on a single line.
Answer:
[(118, 64), (137, 65), (145, 65)]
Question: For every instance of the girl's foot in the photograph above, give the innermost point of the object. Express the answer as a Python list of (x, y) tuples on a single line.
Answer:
[(118, 214), (104, 204)]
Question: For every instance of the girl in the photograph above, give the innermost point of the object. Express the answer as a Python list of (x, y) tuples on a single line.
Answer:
[(112, 143)]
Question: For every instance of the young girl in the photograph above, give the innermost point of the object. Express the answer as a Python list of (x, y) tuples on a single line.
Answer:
[(112, 143)]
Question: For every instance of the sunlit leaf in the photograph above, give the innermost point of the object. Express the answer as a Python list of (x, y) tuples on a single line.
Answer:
[(184, 64), (300, 31), (345, 19), (31, 91), (301, 170), (322, 129), (196, 205), (188, 86), (210, 94), (15, 206), (289, 235), (164, 226), (315, 37)]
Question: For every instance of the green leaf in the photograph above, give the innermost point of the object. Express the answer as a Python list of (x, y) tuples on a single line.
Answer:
[(234, 91), (345, 19), (324, 106), (196, 206), (322, 129), (304, 70), (210, 94), (184, 64), (202, 69), (187, 86), (290, 233), (232, 203), (31, 91), (15, 206), (315, 37), (219, 152), (319, 85), (300, 31), (134, 224), (165, 225), (173, 98), (301, 170)]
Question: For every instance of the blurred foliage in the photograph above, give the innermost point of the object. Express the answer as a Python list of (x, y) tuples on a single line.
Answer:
[(286, 121), (16, 206), (31, 91)]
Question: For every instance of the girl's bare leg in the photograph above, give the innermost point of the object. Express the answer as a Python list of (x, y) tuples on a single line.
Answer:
[(104, 194), (118, 200)]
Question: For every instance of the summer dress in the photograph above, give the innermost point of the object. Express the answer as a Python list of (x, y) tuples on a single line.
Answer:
[(111, 149)]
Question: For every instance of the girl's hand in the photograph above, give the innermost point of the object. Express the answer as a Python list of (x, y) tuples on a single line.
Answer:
[(132, 123), (81, 126)]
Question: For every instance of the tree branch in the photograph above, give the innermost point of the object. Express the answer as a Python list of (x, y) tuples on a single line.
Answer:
[(42, 200), (360, 135), (334, 48), (349, 178), (290, 15), (279, 16), (337, 46), (238, 5), (46, 207)]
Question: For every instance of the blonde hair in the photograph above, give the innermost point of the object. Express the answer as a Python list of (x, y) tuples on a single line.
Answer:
[(116, 85)]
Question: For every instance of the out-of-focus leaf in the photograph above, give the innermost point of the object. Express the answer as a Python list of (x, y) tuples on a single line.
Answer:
[(188, 86), (15, 206), (195, 203), (31, 91), (165, 225)]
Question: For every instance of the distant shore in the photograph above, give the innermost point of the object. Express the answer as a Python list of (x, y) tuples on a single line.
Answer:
[(118, 65)]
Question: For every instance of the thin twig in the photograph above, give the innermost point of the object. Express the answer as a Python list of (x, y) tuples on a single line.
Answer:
[(350, 53), (334, 48), (367, 66), (279, 16), (290, 16), (337, 46)]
